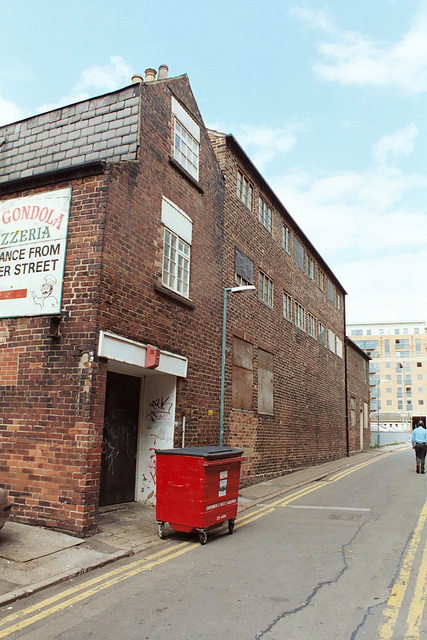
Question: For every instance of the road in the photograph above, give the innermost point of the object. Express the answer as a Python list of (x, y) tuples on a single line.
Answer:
[(344, 558)]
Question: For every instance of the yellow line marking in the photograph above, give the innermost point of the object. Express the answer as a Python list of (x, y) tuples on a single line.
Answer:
[(107, 580), (90, 592), (114, 572), (394, 603), (416, 608)]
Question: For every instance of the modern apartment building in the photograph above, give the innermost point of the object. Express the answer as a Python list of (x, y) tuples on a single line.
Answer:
[(398, 371)]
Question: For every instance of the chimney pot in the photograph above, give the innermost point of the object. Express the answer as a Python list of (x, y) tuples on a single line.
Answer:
[(137, 78), (150, 75), (163, 72)]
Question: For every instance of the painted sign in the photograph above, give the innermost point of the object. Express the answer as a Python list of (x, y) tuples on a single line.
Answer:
[(33, 242)]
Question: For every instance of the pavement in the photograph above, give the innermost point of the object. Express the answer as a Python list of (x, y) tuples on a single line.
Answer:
[(33, 558)]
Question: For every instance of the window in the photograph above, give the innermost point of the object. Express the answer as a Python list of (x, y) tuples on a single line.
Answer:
[(242, 386), (331, 341), (265, 382), (386, 347), (286, 239), (322, 334), (417, 347), (311, 325), (321, 279), (419, 364), (339, 303), (186, 140), (245, 190), (243, 268), (309, 265), (265, 292), (330, 291), (299, 254), (265, 214), (420, 401), (176, 248), (176, 263), (338, 347), (299, 316), (287, 307), (356, 332)]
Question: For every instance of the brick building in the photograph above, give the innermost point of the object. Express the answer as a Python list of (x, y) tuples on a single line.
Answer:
[(286, 374), (358, 397), (122, 220)]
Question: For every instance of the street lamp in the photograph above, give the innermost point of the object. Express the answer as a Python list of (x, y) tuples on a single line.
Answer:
[(247, 290), (405, 410)]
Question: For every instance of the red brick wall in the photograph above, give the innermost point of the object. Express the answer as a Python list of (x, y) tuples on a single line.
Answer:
[(51, 422), (308, 426), (358, 394)]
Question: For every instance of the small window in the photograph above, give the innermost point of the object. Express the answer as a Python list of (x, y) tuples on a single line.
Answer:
[(419, 364), (309, 264), (339, 304), (265, 292), (338, 347), (299, 254), (287, 307), (321, 279), (265, 214), (299, 316), (176, 263), (331, 340), (245, 190), (311, 326), (243, 268), (322, 334), (286, 239), (186, 140)]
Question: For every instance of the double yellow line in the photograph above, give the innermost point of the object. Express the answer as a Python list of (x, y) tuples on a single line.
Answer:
[(37, 612)]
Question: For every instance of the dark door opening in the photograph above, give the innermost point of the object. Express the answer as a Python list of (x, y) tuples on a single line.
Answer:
[(119, 444)]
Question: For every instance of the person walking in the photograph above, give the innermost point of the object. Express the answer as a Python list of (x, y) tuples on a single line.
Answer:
[(419, 443)]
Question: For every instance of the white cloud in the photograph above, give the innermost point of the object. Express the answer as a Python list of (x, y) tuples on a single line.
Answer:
[(396, 144), (266, 143), (352, 58), (105, 78), (352, 211), (9, 112)]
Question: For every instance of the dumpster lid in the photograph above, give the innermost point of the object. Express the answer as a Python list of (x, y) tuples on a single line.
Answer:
[(211, 452)]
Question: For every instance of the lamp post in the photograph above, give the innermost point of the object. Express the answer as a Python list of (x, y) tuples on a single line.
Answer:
[(245, 289)]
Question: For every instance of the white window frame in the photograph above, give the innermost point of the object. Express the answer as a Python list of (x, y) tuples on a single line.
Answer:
[(286, 239), (245, 190), (186, 143), (265, 292), (176, 263), (287, 306), (299, 312), (265, 214), (331, 340), (311, 325), (338, 347), (321, 333), (309, 265), (177, 238)]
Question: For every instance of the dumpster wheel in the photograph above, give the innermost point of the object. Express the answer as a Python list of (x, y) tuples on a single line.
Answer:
[(203, 537), (230, 526), (161, 527)]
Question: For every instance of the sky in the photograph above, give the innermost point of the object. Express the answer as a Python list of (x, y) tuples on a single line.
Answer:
[(327, 97)]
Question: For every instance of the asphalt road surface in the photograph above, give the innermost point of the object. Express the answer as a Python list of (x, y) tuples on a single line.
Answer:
[(344, 558)]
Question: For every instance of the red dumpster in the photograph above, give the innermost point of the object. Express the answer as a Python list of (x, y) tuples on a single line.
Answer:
[(197, 488)]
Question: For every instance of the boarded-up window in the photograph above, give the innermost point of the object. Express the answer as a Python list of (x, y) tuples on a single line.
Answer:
[(299, 254), (265, 381), (243, 266), (243, 378)]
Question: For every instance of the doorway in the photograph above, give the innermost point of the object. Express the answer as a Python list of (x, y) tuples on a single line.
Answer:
[(120, 439)]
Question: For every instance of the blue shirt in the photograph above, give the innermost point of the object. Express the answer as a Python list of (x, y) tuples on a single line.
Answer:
[(419, 435)]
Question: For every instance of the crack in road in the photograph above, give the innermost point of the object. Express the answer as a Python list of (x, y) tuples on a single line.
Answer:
[(316, 589)]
